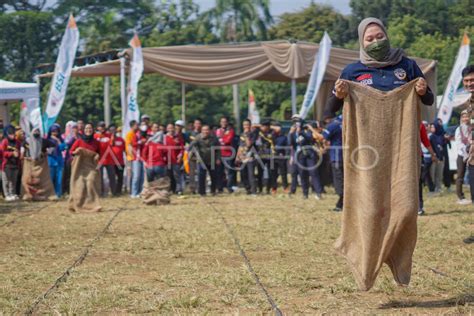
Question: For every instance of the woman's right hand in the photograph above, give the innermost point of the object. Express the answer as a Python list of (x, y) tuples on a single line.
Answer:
[(341, 88)]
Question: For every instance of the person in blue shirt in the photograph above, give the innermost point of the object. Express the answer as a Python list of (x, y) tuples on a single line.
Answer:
[(380, 66), (333, 134), (55, 158), (305, 159)]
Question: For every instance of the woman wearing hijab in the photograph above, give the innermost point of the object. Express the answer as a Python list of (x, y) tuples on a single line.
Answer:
[(55, 158), (70, 136), (380, 66), (438, 141), (10, 148), (85, 178)]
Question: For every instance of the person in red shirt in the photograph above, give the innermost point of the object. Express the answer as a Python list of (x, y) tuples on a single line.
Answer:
[(154, 155), (106, 162), (174, 155), (10, 148), (138, 142), (87, 141), (426, 142), (117, 144), (225, 134)]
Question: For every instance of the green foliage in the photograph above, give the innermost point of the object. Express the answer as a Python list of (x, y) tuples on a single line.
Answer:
[(310, 24)]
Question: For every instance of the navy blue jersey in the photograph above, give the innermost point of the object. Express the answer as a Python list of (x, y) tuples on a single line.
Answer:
[(333, 134), (386, 78)]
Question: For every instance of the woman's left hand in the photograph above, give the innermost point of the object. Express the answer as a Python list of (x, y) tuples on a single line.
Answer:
[(421, 87)]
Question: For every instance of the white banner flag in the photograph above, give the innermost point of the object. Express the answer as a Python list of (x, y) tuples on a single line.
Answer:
[(136, 71), (253, 114), (321, 60), (30, 115), (446, 106), (62, 73)]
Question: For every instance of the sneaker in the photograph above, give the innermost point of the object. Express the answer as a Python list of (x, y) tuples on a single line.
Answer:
[(9, 198), (421, 212), (318, 196), (134, 196), (469, 240), (274, 191), (286, 191), (464, 202), (305, 197), (337, 209)]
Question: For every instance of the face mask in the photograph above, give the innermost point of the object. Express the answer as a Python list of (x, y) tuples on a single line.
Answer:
[(143, 128), (117, 134), (379, 49), (35, 135)]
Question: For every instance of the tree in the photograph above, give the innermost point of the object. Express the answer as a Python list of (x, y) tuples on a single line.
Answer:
[(240, 20), (27, 38), (310, 23)]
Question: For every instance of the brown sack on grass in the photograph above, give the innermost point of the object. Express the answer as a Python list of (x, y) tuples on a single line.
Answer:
[(85, 182), (36, 182), (157, 192), (381, 194)]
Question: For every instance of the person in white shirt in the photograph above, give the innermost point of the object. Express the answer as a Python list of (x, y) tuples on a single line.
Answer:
[(463, 139)]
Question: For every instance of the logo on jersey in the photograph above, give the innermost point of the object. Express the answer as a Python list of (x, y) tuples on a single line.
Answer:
[(400, 73), (365, 79)]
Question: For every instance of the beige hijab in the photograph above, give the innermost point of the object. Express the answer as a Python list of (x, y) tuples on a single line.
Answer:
[(392, 58)]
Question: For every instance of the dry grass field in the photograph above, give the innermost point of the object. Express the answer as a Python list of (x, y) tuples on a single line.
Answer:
[(183, 259)]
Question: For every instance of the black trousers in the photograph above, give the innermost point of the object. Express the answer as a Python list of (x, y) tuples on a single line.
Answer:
[(247, 174), (202, 173), (471, 181), (338, 181), (264, 178), (119, 179), (110, 170), (280, 169)]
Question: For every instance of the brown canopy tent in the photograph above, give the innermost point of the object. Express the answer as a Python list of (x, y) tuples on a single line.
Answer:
[(225, 64)]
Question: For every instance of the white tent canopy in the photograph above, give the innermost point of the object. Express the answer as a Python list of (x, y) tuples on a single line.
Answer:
[(14, 92)]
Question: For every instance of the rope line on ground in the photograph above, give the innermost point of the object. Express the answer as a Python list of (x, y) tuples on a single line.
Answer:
[(29, 213), (70, 269), (231, 232)]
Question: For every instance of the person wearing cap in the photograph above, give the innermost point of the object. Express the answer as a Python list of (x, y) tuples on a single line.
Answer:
[(138, 172), (154, 155), (305, 158), (264, 142), (106, 162), (226, 171), (117, 144), (55, 157), (145, 119), (10, 148), (280, 160)]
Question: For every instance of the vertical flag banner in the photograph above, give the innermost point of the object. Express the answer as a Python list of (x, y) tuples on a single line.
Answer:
[(136, 71), (62, 73), (446, 106), (30, 115), (321, 60), (253, 114)]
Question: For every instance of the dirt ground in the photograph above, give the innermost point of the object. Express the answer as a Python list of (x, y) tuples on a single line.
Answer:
[(182, 259)]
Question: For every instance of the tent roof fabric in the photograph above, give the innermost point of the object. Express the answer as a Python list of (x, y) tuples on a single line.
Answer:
[(18, 90), (224, 64)]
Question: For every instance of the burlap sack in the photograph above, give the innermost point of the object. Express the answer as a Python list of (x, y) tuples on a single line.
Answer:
[(36, 182), (157, 192), (85, 182), (381, 172)]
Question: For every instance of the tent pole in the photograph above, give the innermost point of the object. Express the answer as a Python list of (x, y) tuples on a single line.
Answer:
[(293, 96), (107, 111), (183, 102), (235, 94), (123, 97)]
